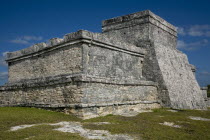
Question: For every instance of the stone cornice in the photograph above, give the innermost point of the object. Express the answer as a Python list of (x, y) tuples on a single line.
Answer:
[(74, 78), (80, 105), (74, 38)]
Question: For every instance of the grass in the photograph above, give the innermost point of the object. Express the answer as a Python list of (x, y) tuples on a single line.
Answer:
[(144, 125), (14, 116)]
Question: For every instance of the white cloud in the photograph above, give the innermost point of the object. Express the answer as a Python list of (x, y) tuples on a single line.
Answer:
[(193, 45), (2, 62), (2, 59), (29, 38), (3, 75), (4, 54), (208, 33), (20, 41), (199, 30), (26, 40), (195, 30), (181, 31), (181, 44)]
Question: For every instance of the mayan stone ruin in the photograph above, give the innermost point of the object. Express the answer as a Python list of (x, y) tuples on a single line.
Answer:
[(132, 65)]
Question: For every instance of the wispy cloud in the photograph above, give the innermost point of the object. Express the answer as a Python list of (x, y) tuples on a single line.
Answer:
[(20, 41), (195, 30), (2, 62), (26, 40), (192, 45), (204, 73), (3, 75), (2, 59), (181, 31), (29, 38), (4, 54), (199, 30)]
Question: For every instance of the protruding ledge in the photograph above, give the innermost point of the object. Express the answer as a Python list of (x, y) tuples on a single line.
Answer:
[(73, 78), (204, 88), (193, 68), (80, 105)]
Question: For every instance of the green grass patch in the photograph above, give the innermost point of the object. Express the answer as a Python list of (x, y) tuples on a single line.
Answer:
[(15, 116), (41, 132), (144, 125)]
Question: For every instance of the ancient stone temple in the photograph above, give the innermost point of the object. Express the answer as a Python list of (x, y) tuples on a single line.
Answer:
[(132, 65)]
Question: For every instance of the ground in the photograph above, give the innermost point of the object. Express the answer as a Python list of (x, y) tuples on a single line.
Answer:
[(159, 124)]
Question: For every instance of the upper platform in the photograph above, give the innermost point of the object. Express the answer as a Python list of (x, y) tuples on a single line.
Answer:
[(138, 18), (81, 52)]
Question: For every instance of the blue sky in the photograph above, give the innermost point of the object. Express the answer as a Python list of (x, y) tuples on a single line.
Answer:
[(25, 22)]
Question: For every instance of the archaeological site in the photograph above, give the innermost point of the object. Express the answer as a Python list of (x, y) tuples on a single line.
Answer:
[(133, 65)]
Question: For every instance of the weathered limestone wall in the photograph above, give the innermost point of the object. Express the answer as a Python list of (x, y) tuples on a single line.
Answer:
[(104, 62), (204, 91), (163, 63), (208, 102), (184, 91), (82, 91), (55, 95), (104, 93), (81, 96), (67, 60), (135, 29), (79, 52), (85, 73), (116, 109)]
